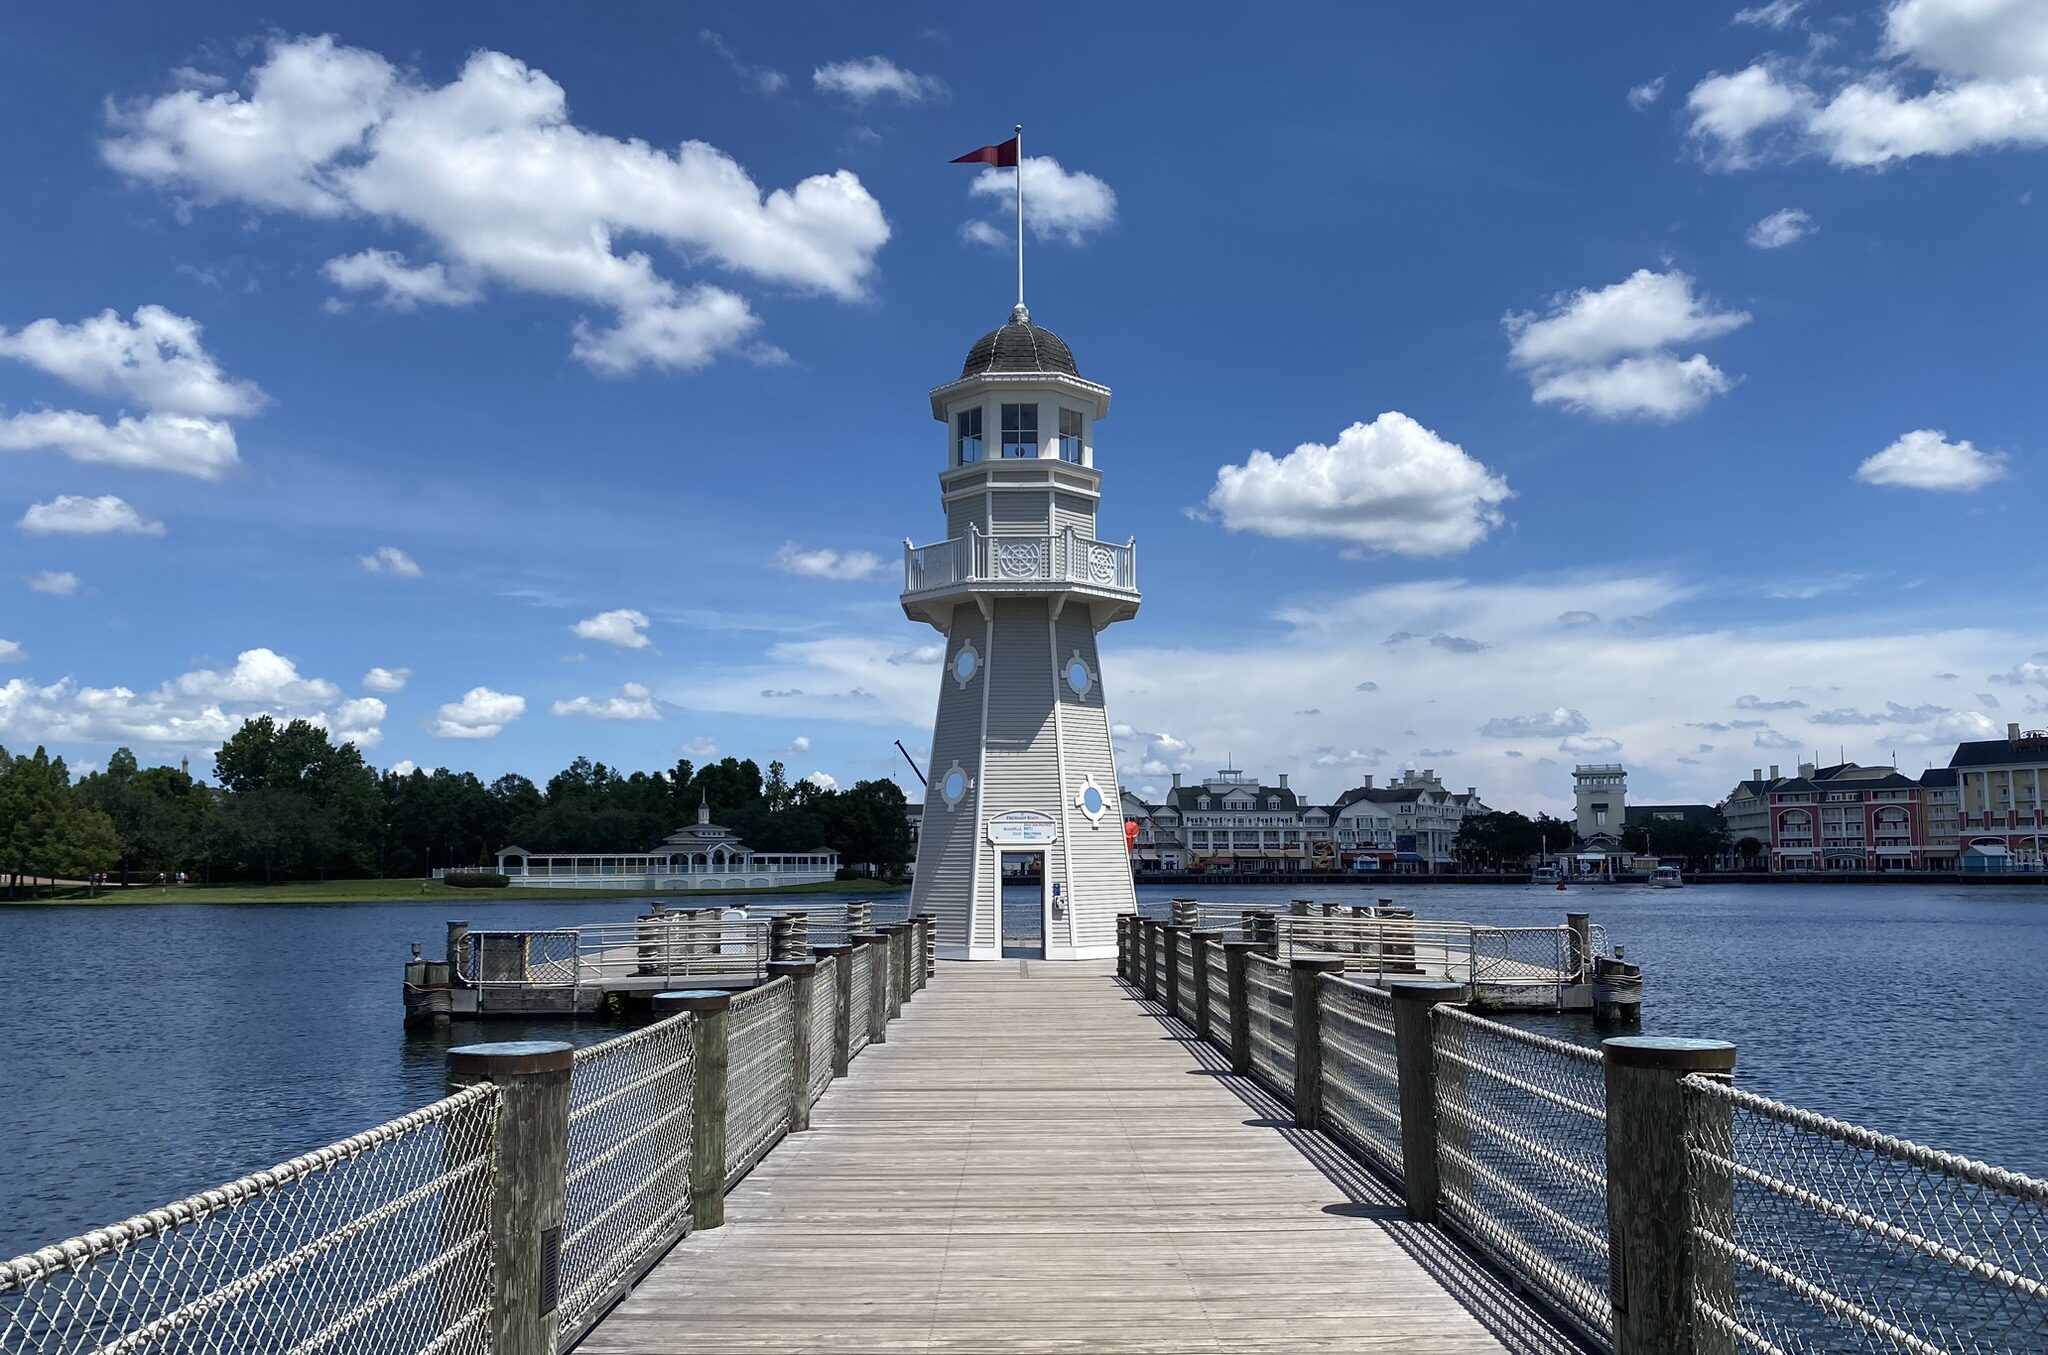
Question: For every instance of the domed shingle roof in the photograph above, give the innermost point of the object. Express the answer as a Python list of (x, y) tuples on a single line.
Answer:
[(1019, 346)]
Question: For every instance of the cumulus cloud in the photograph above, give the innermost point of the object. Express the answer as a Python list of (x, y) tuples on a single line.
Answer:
[(930, 653), (480, 714), (868, 78), (1950, 77), (386, 679), (800, 744), (1772, 739), (57, 583), (701, 747), (1548, 724), (504, 189), (11, 651), (822, 781), (1926, 459), (75, 515), (1642, 96), (1786, 226), (634, 702), (390, 560), (625, 627), (403, 767), (1608, 351), (849, 565), (1390, 485), (1588, 745), (1059, 204)]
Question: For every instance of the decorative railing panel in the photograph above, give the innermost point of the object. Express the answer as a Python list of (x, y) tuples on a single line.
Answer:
[(1830, 1238), (1522, 1155), (1055, 557), (862, 994), (824, 1008), (1269, 1007), (1361, 1079), (376, 1244), (629, 1163), (757, 1060)]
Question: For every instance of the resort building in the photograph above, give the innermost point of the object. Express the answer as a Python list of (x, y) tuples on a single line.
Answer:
[(704, 855), (1999, 801), (1600, 805)]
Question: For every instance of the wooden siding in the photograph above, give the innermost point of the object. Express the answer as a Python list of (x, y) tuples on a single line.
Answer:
[(1023, 767), (1101, 874), (1072, 510), (947, 840), (1022, 510)]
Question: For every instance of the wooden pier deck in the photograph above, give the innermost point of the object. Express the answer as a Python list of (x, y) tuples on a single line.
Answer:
[(1038, 1161)]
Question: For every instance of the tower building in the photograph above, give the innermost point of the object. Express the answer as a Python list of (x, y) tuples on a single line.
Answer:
[(1021, 761)]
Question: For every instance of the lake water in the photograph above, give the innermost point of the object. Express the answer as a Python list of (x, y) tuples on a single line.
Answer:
[(156, 1050)]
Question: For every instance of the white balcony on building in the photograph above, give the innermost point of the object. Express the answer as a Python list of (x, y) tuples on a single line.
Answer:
[(1065, 562)]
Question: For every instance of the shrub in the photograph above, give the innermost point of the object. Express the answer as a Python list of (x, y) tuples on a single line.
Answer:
[(846, 873), (479, 879)]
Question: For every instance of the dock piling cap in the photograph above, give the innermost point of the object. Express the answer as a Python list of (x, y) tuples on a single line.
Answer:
[(693, 1000), (1664, 1051), (510, 1058)]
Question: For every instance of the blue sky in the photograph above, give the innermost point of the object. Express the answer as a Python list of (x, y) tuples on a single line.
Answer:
[(1668, 376)]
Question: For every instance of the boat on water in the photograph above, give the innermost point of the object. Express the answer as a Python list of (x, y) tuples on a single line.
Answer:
[(1666, 877), (1546, 875)]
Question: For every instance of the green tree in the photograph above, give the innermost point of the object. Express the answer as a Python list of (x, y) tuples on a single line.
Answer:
[(35, 796), (869, 826), (82, 844)]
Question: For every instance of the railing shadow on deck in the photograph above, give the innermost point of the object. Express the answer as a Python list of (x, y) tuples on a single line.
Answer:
[(1502, 1307)]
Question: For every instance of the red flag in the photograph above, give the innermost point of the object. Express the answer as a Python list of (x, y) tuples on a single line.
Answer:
[(1003, 156)]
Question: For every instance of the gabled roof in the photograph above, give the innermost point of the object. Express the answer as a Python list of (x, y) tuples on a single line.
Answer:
[(1938, 776), (1993, 752)]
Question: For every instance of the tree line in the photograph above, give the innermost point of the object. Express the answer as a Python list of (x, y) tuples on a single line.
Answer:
[(289, 803), (1506, 840)]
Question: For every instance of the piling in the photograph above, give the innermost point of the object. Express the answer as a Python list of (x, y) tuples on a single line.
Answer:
[(1579, 927), (1186, 912), (1415, 1062), (1240, 1042), (860, 917), (707, 1006), (1307, 977), (840, 958), (789, 936), (803, 988)]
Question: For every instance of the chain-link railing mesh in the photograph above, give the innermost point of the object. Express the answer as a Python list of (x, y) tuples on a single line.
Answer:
[(1218, 979), (546, 959), (1269, 1009), (1818, 1236), (1361, 1080), (1522, 955), (824, 1010), (629, 1161), (376, 1244), (1184, 977), (1522, 1155), (757, 1063), (862, 989)]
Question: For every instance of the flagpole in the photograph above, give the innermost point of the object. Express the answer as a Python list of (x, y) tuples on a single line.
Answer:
[(1020, 214)]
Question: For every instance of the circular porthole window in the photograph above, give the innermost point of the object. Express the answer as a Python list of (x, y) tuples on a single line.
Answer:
[(1078, 676), (1091, 801), (966, 664), (953, 786)]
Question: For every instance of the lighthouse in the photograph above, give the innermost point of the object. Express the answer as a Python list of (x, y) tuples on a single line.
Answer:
[(1021, 762)]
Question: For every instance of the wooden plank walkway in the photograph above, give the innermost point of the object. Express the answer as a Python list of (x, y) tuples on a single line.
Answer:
[(1038, 1161)]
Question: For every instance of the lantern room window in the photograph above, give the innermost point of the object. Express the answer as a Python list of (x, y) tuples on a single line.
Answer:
[(1070, 435), (967, 436), (1020, 430)]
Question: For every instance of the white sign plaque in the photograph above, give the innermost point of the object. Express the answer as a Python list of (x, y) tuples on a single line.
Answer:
[(1023, 828)]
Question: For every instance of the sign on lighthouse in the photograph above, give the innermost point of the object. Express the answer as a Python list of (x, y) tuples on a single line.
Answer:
[(1021, 761)]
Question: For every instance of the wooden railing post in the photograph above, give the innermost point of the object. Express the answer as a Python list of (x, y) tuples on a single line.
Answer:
[(1169, 951), (803, 987), (1415, 1062), (1579, 931), (927, 948), (1148, 956), (531, 1184), (1655, 1268), (707, 1007), (1203, 939), (1123, 946), (1240, 1041), (877, 1014), (1306, 976), (840, 958)]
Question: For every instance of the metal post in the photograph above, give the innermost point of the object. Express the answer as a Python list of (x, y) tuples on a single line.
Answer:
[(1415, 1061), (707, 1120), (1204, 939), (531, 1185), (1306, 976), (458, 939), (840, 958), (803, 987), (877, 1014), (1240, 1042), (1654, 1266)]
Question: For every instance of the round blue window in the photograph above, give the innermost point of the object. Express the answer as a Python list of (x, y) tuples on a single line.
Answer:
[(965, 662), (1078, 676), (954, 786), (1091, 801)]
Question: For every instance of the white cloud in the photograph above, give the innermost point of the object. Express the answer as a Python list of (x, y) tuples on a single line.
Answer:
[(480, 714), (400, 285), (822, 781), (1389, 485), (1926, 459), (979, 232), (1548, 724), (200, 708), (260, 677), (403, 767), (1951, 77), (1058, 203), (634, 702), (1588, 745), (1776, 14), (391, 560), (57, 583), (11, 651), (701, 747), (1785, 226), (1771, 738), (624, 627), (872, 77), (504, 189), (386, 679), (357, 721), (166, 442), (75, 515), (1607, 352), (1758, 703), (765, 79), (155, 360), (1643, 95), (826, 564)]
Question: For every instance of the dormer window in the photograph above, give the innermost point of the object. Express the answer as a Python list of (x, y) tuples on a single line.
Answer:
[(1020, 431), (1272, 802), (967, 436), (1070, 435), (1202, 803)]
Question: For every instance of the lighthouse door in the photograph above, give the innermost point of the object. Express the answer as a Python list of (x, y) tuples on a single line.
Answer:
[(1027, 902)]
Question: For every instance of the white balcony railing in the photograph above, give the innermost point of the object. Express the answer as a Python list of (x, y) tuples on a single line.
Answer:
[(1051, 558)]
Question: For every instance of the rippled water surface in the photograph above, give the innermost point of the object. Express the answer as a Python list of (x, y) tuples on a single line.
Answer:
[(156, 1050)]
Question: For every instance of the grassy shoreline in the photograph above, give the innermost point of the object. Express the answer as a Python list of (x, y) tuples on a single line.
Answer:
[(409, 891)]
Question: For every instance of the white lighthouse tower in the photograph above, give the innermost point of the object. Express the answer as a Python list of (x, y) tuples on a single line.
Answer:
[(1021, 758)]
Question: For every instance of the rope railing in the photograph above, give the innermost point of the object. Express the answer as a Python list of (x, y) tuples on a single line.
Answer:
[(375, 1244), (824, 1010), (1361, 1079), (861, 989), (757, 1092)]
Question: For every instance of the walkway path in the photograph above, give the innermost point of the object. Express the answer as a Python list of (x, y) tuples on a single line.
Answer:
[(1037, 1161)]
